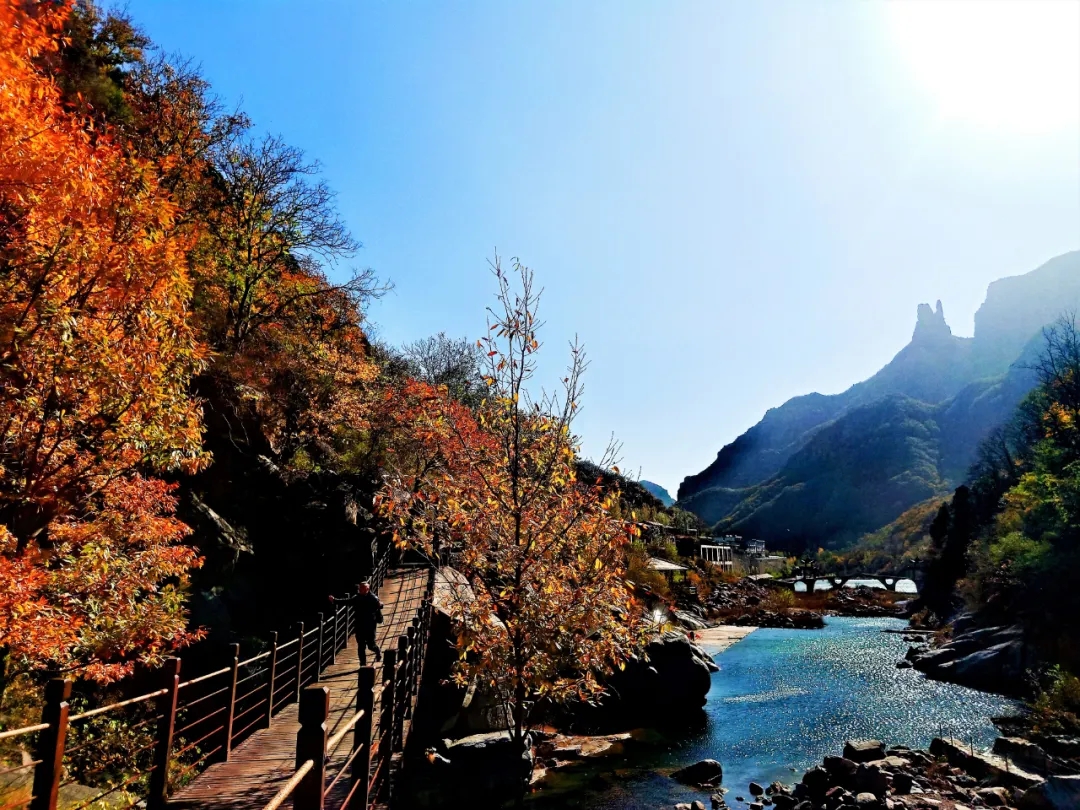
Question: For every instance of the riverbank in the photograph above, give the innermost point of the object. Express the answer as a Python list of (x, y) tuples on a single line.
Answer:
[(717, 639), (749, 602)]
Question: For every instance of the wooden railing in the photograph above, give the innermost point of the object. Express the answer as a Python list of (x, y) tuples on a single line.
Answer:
[(137, 751), (372, 758)]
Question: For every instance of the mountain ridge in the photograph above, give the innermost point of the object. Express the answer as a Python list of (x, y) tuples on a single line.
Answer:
[(969, 385)]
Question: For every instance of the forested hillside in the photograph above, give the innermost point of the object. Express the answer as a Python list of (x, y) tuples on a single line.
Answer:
[(200, 440)]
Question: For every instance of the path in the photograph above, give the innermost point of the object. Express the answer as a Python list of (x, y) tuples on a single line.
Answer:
[(259, 766)]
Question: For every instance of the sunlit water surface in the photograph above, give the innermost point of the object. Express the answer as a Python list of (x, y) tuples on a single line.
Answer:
[(782, 700)]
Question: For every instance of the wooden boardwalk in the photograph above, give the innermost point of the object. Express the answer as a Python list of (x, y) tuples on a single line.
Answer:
[(262, 764)]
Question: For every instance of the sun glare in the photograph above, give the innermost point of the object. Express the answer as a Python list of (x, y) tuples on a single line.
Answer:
[(1010, 65)]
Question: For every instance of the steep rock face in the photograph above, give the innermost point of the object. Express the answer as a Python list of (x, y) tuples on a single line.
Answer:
[(1017, 307), (854, 475), (804, 470)]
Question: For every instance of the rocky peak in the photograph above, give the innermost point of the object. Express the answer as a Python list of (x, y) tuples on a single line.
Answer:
[(931, 323)]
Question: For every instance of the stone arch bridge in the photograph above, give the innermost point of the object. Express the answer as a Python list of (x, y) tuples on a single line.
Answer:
[(889, 581)]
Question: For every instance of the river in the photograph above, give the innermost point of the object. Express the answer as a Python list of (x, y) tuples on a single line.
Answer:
[(783, 700)]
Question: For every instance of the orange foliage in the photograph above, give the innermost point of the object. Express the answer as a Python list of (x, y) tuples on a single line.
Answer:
[(96, 358)]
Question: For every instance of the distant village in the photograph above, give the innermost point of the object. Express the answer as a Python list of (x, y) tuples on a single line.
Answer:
[(731, 552)]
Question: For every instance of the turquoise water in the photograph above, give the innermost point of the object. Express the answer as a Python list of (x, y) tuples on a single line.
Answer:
[(782, 700)]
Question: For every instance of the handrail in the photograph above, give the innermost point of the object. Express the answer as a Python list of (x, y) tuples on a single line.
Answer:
[(15, 732), (255, 658), (205, 677), (290, 786), (341, 771), (335, 741), (129, 702), (179, 726)]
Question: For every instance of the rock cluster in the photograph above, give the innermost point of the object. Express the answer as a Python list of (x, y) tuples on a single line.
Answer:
[(870, 776), (862, 601), (950, 776), (746, 602)]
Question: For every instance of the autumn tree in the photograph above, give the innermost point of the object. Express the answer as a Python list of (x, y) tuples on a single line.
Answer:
[(548, 607), (96, 358), (289, 343), (456, 363)]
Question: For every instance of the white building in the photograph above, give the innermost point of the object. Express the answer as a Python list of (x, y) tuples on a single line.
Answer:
[(721, 555)]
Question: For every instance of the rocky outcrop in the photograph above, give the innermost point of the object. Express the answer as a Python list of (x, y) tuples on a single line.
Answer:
[(930, 324), (1057, 793), (706, 773), (668, 682), (863, 750), (485, 766), (983, 765), (993, 659)]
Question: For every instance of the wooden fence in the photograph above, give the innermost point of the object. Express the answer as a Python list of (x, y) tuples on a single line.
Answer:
[(163, 739)]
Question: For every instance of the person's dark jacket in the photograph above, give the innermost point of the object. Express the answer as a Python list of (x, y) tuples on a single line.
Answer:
[(367, 606)]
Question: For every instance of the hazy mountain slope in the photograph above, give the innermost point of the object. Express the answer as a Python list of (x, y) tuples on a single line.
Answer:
[(933, 366), (658, 491), (822, 470), (1016, 308), (854, 475)]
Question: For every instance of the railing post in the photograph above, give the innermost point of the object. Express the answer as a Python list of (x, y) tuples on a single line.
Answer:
[(318, 661), (299, 662), (273, 675), (234, 668), (386, 722), (401, 693), (411, 674), (311, 744), (50, 745), (341, 628), (333, 638), (365, 701), (159, 777)]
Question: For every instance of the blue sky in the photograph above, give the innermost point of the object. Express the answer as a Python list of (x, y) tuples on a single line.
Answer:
[(729, 203)]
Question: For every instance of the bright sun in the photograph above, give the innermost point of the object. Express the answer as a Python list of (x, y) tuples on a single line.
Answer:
[(1001, 64)]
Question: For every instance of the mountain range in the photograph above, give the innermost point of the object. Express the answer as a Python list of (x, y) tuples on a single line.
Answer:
[(822, 470)]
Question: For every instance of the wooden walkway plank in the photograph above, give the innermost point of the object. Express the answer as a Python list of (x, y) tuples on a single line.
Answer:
[(264, 762)]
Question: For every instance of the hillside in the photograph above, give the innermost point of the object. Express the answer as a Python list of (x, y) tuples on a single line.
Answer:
[(658, 492), (823, 470)]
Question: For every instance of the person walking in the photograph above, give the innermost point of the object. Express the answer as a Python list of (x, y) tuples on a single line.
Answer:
[(368, 617)]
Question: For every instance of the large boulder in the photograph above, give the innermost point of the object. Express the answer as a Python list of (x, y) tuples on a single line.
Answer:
[(841, 770), (669, 681), (863, 750), (871, 779), (705, 772), (492, 766), (816, 781), (990, 658)]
